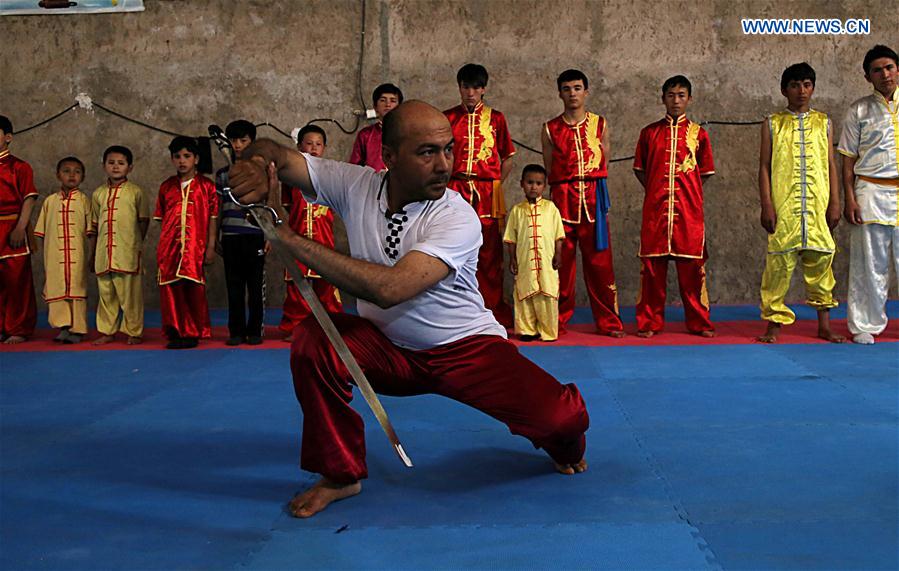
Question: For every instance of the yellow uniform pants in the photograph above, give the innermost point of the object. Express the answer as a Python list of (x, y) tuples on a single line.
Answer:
[(120, 292), (819, 283), (71, 313), (537, 315)]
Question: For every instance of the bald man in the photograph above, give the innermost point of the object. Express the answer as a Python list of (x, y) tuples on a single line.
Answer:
[(422, 326)]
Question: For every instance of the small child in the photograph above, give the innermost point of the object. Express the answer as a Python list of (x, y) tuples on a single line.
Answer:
[(120, 215), (187, 207), (63, 226), (18, 309), (314, 222), (800, 205), (367, 147), (243, 248), (536, 225), (672, 161)]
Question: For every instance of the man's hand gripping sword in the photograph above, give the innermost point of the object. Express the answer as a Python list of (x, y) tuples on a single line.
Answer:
[(268, 220)]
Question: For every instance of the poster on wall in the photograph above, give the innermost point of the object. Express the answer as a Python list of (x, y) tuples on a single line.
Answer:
[(38, 7)]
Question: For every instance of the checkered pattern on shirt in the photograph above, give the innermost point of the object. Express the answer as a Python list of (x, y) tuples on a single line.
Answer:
[(394, 231)]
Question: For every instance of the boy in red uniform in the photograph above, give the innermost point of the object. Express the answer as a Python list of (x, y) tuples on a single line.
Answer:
[(18, 309), (672, 160), (367, 147), (187, 207), (315, 222), (575, 151), (482, 152)]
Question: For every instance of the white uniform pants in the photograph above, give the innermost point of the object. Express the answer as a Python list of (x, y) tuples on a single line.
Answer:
[(872, 246)]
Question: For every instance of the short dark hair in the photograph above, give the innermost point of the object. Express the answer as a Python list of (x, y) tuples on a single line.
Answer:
[(677, 81), (472, 74), (5, 124), (572, 75), (877, 52), (384, 89), (797, 72), (182, 142), (125, 151), (533, 167), (70, 160), (239, 129), (310, 128), (390, 129)]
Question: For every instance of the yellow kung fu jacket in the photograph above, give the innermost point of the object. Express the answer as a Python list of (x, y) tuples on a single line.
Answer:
[(800, 182)]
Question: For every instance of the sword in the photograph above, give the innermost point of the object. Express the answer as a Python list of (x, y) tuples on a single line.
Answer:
[(267, 219)]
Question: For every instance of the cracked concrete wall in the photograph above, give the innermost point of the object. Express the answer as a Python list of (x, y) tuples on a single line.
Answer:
[(182, 65)]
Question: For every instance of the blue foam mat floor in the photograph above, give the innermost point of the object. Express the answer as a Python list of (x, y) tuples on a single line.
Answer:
[(734, 457)]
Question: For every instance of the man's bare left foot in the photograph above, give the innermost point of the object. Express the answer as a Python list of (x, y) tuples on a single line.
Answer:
[(14, 340), (829, 335), (288, 339), (571, 469), (103, 340), (135, 340), (645, 334), (708, 333), (616, 334), (317, 498)]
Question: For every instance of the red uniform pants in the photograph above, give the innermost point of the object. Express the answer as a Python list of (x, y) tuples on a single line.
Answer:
[(653, 286), (185, 312), (483, 371), (599, 276), (296, 309), (18, 308)]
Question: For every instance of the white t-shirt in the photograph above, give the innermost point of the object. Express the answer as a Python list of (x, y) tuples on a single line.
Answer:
[(447, 229)]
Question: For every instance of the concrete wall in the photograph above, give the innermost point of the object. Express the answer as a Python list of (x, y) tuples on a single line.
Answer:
[(181, 65)]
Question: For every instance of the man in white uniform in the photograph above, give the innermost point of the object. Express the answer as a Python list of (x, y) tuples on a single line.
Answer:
[(422, 325), (870, 148)]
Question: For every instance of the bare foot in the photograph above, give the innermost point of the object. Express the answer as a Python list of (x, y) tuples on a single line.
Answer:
[(708, 334), (103, 340), (317, 498), (829, 335), (616, 334), (288, 339), (771, 333), (571, 469), (135, 340), (14, 340), (645, 334)]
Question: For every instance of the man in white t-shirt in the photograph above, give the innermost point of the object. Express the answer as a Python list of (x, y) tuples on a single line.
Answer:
[(422, 326)]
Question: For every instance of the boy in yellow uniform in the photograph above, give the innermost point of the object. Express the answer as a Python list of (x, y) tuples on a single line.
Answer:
[(799, 193), (120, 215), (533, 237), (63, 226)]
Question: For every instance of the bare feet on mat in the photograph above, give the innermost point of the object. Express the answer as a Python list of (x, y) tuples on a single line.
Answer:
[(771, 333), (708, 334), (829, 335), (645, 334), (317, 498), (103, 340), (288, 339), (14, 340), (616, 334), (571, 469), (135, 340)]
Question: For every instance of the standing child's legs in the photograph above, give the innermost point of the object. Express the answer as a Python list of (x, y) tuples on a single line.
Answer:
[(546, 310), (871, 246), (526, 318), (129, 292), (599, 276), (18, 306), (695, 296), (817, 271), (775, 285), (651, 302), (107, 309)]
